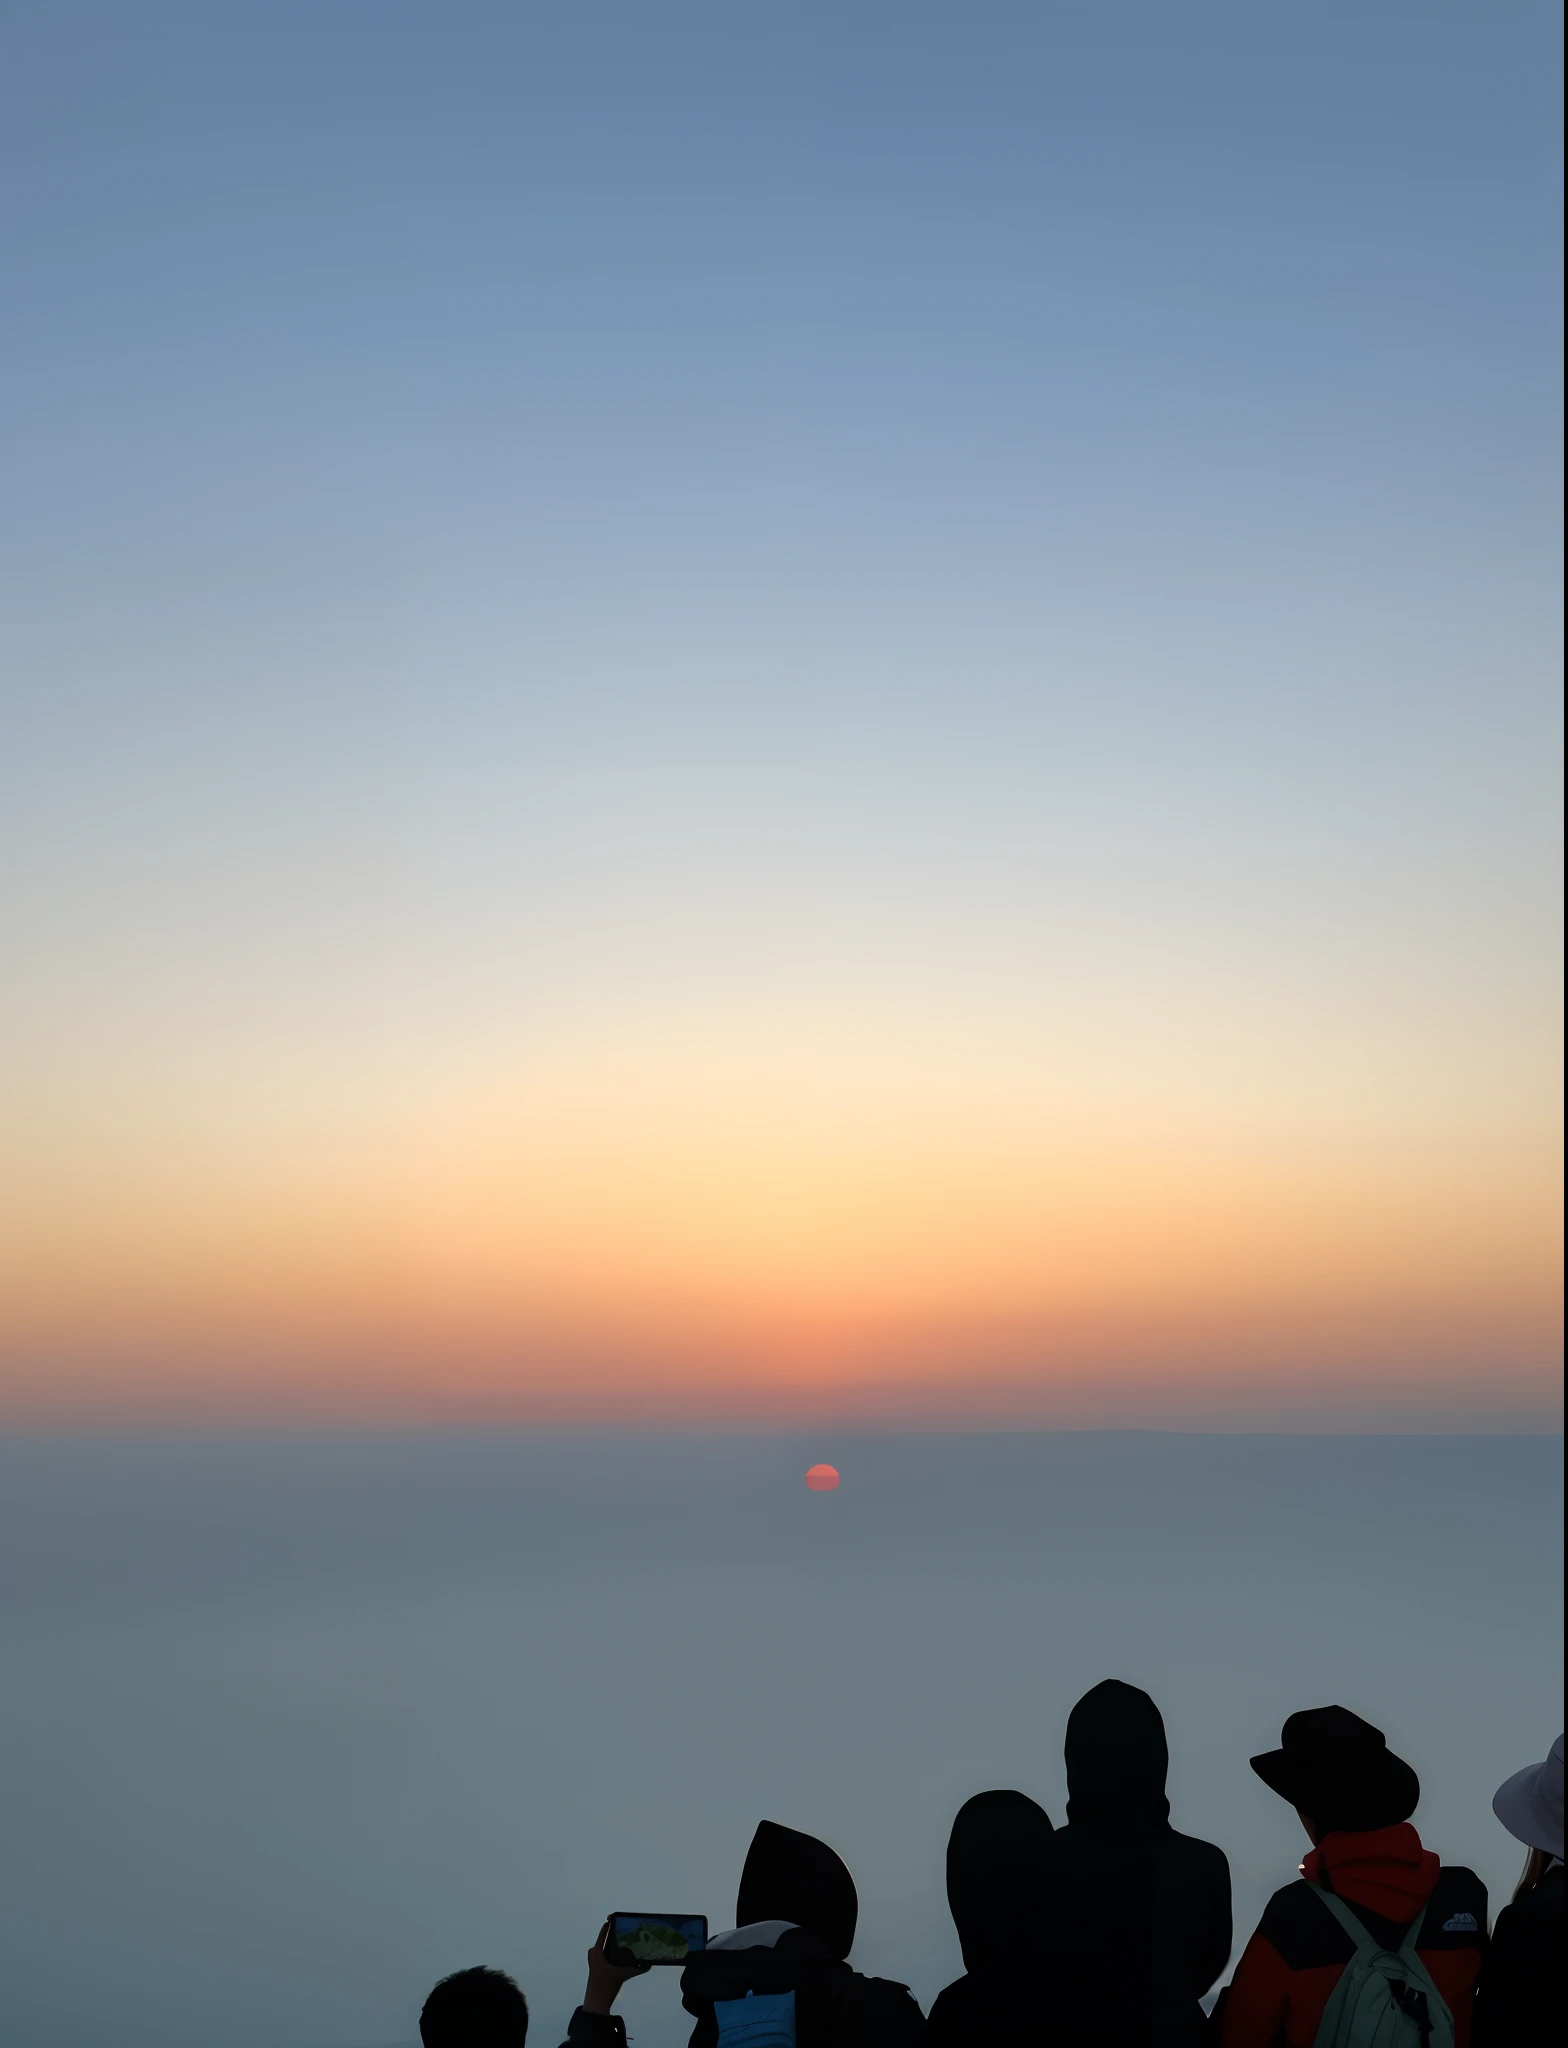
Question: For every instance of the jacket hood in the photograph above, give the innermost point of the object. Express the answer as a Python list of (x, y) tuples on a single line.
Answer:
[(790, 1876), (1386, 1870), (1116, 1761), (996, 1874)]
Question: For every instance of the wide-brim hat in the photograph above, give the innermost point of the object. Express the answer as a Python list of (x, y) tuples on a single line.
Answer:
[(1530, 1803), (1340, 1772)]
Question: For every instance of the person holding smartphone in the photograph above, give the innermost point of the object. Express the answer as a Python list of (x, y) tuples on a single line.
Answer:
[(782, 1973), (595, 2019)]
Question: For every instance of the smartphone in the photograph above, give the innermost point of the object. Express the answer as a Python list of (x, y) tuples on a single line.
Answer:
[(655, 1937)]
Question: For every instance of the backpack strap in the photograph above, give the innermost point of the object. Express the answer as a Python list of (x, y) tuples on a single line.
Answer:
[(1362, 1935)]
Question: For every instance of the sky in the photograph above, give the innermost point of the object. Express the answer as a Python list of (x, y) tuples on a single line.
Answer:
[(727, 713)]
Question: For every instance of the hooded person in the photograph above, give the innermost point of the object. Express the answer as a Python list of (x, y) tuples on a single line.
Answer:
[(1354, 1797), (784, 1965), (997, 1891), (1520, 1995), (1142, 1911)]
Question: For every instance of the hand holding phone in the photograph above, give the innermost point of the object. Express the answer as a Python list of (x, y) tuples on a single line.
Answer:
[(605, 1974), (631, 1943)]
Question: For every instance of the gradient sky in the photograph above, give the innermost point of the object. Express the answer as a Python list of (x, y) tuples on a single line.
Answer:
[(744, 710)]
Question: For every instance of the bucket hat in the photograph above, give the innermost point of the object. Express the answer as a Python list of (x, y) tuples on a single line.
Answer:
[(1340, 1772), (1530, 1803)]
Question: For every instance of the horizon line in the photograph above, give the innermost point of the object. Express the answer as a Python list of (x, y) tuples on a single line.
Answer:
[(145, 1426)]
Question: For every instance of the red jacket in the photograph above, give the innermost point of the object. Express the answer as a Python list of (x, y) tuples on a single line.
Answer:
[(1288, 1970)]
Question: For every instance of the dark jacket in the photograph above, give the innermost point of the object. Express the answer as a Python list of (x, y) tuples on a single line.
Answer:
[(605, 2028), (997, 1890), (1288, 1970), (796, 1915), (1141, 1912), (1519, 2000)]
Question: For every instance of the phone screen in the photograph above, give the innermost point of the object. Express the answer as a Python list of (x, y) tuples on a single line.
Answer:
[(656, 1937)]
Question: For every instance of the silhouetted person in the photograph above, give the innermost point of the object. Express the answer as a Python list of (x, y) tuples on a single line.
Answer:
[(1142, 1912), (1354, 1797), (998, 1893), (475, 2009), (1520, 1997), (795, 1914)]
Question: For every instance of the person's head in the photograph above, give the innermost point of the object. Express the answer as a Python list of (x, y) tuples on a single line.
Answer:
[(476, 2008), (1339, 1773), (1530, 1806), (790, 1876), (1116, 1761), (996, 1874)]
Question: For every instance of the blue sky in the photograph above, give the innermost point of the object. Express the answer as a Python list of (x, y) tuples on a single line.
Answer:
[(611, 512)]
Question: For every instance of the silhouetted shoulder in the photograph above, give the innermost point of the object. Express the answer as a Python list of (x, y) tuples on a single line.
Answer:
[(1456, 1912), (950, 2011), (1202, 1858), (955, 2016), (978, 2013), (1543, 1906), (1305, 1935), (885, 2011)]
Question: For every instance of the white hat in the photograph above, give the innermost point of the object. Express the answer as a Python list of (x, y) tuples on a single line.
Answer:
[(1530, 1803)]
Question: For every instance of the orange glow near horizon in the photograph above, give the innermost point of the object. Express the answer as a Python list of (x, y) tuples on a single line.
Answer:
[(684, 1242)]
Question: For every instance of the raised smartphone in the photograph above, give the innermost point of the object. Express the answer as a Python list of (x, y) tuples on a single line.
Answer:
[(655, 1937)]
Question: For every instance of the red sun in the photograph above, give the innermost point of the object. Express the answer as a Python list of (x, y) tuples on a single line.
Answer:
[(822, 1478)]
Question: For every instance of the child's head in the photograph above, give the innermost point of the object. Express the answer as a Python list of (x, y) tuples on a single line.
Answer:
[(475, 2009)]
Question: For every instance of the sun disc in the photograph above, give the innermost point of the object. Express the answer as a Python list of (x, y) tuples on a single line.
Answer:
[(822, 1478)]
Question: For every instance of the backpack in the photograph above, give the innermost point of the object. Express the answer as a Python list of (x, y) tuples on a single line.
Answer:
[(1384, 1997), (756, 2021)]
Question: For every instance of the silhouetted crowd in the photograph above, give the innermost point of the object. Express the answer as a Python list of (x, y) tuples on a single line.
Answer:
[(1110, 1932)]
